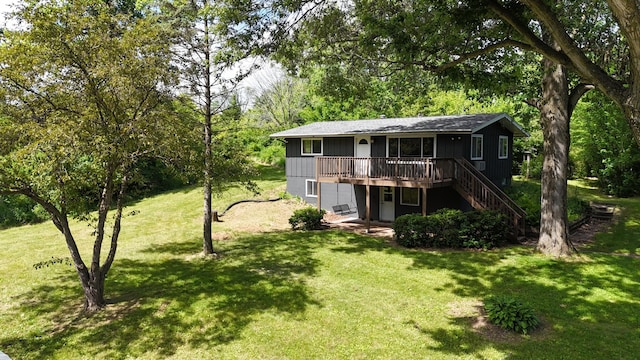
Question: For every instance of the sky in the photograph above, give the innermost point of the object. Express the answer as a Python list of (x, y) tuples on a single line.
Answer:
[(268, 71)]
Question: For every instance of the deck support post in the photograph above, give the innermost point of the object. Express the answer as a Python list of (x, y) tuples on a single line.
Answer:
[(318, 184), (368, 207)]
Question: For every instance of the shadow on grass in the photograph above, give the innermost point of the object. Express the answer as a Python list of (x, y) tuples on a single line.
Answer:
[(181, 301), (589, 305)]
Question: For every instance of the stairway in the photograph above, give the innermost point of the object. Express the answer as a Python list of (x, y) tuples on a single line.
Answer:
[(483, 194)]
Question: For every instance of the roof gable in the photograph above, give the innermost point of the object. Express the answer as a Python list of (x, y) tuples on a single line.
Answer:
[(443, 124)]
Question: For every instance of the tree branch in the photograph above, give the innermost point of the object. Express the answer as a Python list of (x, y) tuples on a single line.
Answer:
[(573, 56)]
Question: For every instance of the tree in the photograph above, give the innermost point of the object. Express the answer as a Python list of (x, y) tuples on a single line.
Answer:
[(278, 101), (84, 96), (204, 55)]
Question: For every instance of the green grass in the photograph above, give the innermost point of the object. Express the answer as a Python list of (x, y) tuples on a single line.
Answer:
[(320, 294)]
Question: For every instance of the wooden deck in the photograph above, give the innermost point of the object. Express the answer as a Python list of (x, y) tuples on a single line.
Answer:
[(401, 172)]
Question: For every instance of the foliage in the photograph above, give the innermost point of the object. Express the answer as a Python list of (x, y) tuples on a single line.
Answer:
[(20, 210), (510, 314), (612, 155), (526, 193), (485, 230), (85, 89), (449, 228), (308, 218)]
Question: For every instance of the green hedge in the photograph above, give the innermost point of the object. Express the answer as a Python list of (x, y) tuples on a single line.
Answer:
[(449, 228)]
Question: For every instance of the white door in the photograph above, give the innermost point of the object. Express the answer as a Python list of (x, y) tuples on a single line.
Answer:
[(387, 203), (363, 150)]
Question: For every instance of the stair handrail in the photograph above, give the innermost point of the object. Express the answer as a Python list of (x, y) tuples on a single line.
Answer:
[(491, 185)]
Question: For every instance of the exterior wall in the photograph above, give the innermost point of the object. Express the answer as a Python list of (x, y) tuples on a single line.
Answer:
[(453, 146), (299, 169), (497, 170), (438, 198)]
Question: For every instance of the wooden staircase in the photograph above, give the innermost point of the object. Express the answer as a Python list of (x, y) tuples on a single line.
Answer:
[(483, 194)]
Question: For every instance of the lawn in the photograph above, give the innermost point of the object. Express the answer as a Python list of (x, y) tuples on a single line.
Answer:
[(277, 294)]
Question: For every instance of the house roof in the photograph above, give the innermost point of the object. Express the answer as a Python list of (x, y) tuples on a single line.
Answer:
[(432, 124)]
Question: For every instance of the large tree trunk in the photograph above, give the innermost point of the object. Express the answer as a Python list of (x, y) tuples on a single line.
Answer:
[(554, 238)]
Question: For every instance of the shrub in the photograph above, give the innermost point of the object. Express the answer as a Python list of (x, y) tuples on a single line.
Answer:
[(510, 314), (485, 230), (308, 218), (447, 225), (449, 228), (411, 230)]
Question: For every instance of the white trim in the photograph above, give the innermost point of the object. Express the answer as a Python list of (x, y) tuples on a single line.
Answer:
[(409, 204), (481, 137), (500, 147), (314, 188), (302, 140), (506, 121)]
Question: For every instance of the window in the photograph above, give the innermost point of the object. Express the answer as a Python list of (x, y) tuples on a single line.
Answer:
[(311, 188), (411, 147), (503, 147), (311, 146), (476, 147), (427, 147), (410, 196)]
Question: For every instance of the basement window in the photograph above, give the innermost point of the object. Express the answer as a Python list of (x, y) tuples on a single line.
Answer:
[(410, 196), (311, 188)]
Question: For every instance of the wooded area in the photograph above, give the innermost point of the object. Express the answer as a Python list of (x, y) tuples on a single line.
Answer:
[(106, 100)]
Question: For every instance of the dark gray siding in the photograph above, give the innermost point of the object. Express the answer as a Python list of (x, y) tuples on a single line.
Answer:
[(439, 198), (453, 146), (337, 146), (498, 170), (331, 146), (361, 192), (330, 194), (293, 147)]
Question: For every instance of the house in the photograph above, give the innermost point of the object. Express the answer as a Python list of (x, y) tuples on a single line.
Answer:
[(383, 168)]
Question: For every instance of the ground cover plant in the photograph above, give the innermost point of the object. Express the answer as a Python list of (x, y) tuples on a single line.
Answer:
[(272, 293)]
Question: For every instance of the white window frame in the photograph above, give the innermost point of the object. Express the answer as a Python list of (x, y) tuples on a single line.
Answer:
[(481, 137), (409, 204), (504, 147), (314, 187), (311, 153)]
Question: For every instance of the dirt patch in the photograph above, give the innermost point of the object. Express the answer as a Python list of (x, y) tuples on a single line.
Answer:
[(256, 218), (472, 313)]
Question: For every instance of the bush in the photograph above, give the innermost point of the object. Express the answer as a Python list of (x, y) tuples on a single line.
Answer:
[(449, 228), (485, 230), (307, 219), (510, 314), (19, 210)]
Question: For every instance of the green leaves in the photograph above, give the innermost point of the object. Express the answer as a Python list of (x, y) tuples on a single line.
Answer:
[(510, 314)]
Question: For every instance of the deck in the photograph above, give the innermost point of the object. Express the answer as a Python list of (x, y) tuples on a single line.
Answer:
[(424, 173), (401, 172)]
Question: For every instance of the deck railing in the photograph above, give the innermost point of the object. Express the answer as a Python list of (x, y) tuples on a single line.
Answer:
[(427, 170), (482, 193)]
